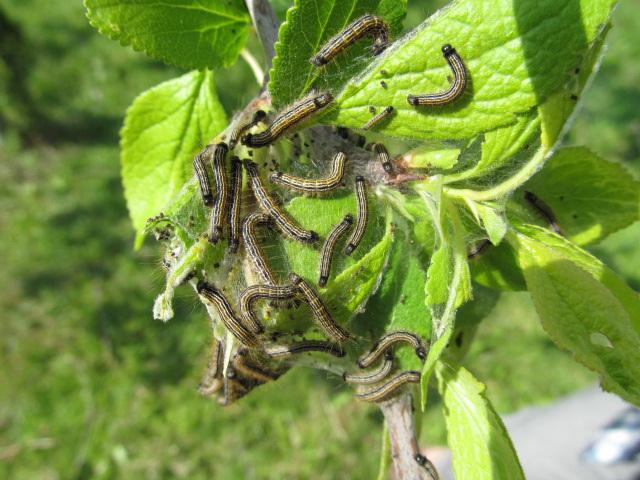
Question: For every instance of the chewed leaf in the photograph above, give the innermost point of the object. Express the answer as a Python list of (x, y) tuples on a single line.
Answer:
[(627, 297), (584, 308), (188, 262), (478, 439), (309, 23), (203, 34), (590, 197), (163, 130), (516, 55), (186, 215)]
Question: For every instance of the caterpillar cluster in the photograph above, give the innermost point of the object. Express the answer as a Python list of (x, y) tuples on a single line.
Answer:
[(261, 358)]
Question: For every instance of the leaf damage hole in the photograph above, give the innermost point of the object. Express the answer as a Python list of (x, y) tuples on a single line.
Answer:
[(601, 340)]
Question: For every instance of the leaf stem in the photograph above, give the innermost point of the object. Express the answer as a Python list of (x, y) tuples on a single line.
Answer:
[(248, 57), (266, 24)]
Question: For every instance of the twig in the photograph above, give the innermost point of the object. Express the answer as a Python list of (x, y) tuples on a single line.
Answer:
[(253, 64), (404, 446), (266, 25)]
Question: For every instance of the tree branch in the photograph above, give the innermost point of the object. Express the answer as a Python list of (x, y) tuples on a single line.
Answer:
[(408, 462), (266, 24)]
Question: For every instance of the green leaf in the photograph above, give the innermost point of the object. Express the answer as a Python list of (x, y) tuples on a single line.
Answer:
[(506, 160), (495, 188), (163, 130), (478, 440), (591, 197), (398, 304), (411, 208), (186, 33), (448, 281), (500, 145), (491, 219), (354, 285), (309, 24), (516, 53), (430, 157), (468, 318), (497, 268), (557, 111), (321, 215), (584, 308), (627, 297), (440, 271)]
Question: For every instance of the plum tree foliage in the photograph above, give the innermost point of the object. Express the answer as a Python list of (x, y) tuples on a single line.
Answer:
[(454, 217)]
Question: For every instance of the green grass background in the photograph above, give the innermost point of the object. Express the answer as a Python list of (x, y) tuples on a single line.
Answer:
[(91, 386)]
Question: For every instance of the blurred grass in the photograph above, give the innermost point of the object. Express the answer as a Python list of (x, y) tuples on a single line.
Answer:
[(90, 385)]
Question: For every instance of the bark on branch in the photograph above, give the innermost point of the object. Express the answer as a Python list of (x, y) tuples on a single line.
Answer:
[(266, 24), (408, 462)]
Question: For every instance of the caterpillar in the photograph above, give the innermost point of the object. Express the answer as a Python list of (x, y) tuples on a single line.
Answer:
[(254, 252), (383, 156), (317, 185), (287, 119), (320, 312), (269, 206), (478, 249), (457, 87), (376, 119), (256, 292), (236, 204), (544, 210), (231, 322), (372, 377), (212, 379), (200, 168), (363, 216), (234, 389), (371, 25), (425, 463), (388, 340), (237, 132), (253, 372), (390, 387), (329, 246), (285, 351), (220, 204)]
